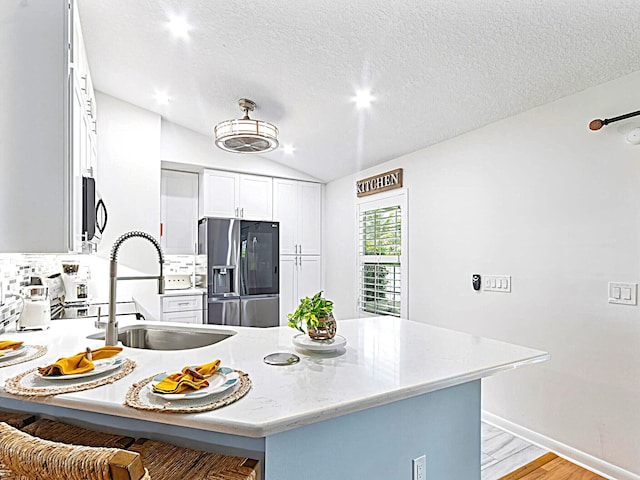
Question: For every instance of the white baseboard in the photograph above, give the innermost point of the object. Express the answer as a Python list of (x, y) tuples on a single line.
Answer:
[(576, 456)]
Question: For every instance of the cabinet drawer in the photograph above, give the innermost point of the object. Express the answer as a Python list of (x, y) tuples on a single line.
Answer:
[(183, 317), (181, 303)]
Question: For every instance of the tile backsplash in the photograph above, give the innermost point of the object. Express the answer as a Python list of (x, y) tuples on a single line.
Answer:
[(185, 264), (16, 270)]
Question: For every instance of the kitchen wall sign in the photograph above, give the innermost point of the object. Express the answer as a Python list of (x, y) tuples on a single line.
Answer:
[(379, 183)]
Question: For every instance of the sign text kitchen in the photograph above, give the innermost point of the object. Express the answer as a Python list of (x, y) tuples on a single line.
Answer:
[(379, 183)]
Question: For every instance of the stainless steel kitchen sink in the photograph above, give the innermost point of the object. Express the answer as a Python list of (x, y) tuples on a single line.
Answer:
[(157, 337)]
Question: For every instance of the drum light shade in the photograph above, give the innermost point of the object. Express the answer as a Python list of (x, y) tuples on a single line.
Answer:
[(246, 135)]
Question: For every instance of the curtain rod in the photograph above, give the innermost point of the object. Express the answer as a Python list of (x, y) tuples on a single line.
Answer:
[(597, 124)]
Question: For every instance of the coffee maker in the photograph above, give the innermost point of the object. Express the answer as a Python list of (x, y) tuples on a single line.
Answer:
[(76, 282)]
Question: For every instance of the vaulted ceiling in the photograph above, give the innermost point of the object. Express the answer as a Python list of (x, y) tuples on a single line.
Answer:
[(435, 69)]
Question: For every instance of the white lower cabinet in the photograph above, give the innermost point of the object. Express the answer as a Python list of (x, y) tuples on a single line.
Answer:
[(300, 276), (183, 317), (182, 308)]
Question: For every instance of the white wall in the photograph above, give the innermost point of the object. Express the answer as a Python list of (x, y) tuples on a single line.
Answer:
[(539, 197), (184, 149), (129, 182)]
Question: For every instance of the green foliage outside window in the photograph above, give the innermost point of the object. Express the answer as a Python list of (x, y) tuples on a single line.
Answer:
[(381, 236)]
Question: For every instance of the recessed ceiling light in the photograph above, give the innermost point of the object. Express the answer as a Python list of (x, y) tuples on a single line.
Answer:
[(161, 97), (288, 149), (179, 27), (363, 98)]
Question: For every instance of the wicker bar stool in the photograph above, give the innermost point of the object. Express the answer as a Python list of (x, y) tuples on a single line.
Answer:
[(170, 462), (63, 433), (23, 457), (16, 420), (163, 460)]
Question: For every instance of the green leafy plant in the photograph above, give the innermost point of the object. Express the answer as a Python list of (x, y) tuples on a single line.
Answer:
[(310, 311)]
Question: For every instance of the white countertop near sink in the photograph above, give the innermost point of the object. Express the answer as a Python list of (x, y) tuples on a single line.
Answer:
[(386, 359)]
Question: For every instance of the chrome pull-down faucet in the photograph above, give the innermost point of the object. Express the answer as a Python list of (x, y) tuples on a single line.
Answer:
[(111, 334)]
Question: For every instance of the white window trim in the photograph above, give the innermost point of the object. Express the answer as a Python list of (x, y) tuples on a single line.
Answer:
[(380, 200)]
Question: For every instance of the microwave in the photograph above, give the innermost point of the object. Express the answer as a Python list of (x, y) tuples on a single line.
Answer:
[(94, 215)]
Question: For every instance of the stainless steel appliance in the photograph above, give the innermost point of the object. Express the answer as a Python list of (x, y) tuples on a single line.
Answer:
[(94, 216), (242, 276)]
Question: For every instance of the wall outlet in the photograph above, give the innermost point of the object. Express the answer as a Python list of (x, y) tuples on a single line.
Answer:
[(419, 468)]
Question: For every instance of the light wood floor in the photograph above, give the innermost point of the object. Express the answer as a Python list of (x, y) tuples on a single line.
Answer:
[(551, 467)]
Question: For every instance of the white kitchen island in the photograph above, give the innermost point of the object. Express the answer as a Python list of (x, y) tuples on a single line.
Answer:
[(399, 390)]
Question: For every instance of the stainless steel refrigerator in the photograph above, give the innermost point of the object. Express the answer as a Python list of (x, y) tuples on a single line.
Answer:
[(243, 283)]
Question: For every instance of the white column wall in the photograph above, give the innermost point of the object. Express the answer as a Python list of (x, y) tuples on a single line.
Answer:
[(129, 182), (541, 198)]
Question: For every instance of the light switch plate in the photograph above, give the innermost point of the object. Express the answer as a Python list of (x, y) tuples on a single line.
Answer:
[(623, 293), (496, 283)]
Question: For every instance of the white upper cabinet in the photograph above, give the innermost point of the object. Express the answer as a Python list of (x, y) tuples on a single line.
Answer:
[(234, 195), (179, 212), (41, 137), (298, 207), (256, 197), (285, 211), (86, 109), (219, 194)]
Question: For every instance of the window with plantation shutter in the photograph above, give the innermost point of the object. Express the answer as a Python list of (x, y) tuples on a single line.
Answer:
[(382, 270)]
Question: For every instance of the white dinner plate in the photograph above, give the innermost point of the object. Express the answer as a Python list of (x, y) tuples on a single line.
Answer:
[(220, 381), (304, 341), (101, 366), (12, 352)]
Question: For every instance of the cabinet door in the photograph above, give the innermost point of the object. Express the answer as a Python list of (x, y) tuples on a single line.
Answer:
[(309, 271), (256, 197), (285, 211), (288, 296), (41, 189), (183, 317), (309, 218), (219, 194), (180, 303), (93, 156), (78, 161), (179, 212)]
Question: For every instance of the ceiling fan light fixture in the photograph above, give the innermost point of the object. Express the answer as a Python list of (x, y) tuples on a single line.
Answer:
[(246, 135)]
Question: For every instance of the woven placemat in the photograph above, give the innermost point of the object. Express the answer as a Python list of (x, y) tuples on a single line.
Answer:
[(29, 385), (33, 352), (141, 398)]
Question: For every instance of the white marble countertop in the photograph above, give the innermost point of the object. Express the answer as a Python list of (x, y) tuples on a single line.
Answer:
[(385, 360)]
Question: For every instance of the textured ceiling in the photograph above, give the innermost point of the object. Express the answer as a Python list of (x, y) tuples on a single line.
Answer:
[(436, 68)]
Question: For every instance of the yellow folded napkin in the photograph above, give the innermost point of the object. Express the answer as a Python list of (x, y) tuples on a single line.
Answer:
[(191, 378), (9, 345), (78, 363)]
